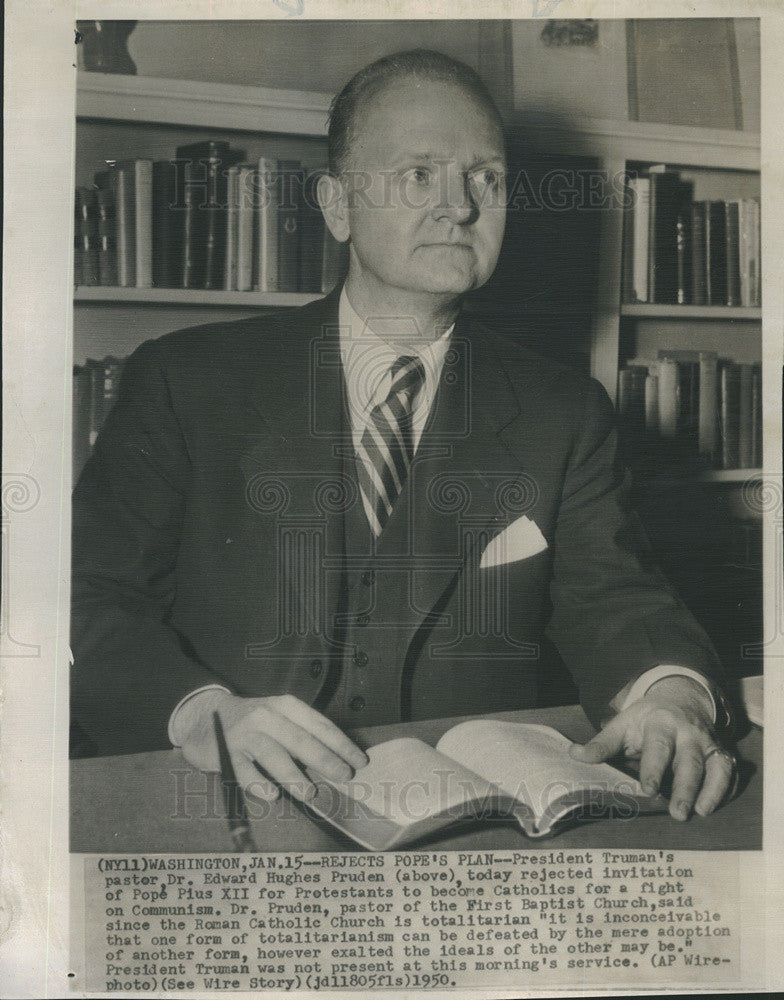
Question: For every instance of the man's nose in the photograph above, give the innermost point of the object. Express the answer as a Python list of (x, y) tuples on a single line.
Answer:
[(455, 200)]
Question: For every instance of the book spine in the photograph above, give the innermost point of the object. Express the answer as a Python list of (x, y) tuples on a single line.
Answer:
[(311, 253), (641, 210), (269, 188), (215, 213), (708, 415), (683, 251), (193, 194), (289, 225), (166, 241), (246, 199), (86, 238), (669, 398), (732, 251), (746, 418), (730, 405), (756, 425), (230, 238), (143, 222), (107, 262), (754, 260), (716, 248), (125, 225), (652, 404), (698, 254)]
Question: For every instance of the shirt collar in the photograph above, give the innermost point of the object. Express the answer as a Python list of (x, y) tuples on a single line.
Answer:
[(367, 359)]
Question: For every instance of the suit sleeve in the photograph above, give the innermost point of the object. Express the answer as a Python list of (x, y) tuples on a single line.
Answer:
[(131, 668), (614, 615)]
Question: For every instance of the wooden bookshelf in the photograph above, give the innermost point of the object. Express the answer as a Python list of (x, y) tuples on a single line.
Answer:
[(191, 297), (646, 310), (728, 475)]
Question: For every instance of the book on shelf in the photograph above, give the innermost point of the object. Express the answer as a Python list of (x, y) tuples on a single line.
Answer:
[(232, 231), (86, 242), (732, 252), (708, 427), (205, 182), (289, 224), (130, 182), (95, 391), (269, 194), (669, 196), (631, 397), (106, 252), (681, 251), (638, 231), (730, 415), (699, 283), (246, 215), (749, 255), (167, 228), (205, 220), (711, 405), (756, 416), (479, 770), (715, 254), (746, 417), (312, 237)]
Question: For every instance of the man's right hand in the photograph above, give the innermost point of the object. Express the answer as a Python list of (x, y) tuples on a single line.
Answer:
[(267, 739)]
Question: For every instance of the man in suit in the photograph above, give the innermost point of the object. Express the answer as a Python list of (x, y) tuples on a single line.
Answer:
[(372, 508)]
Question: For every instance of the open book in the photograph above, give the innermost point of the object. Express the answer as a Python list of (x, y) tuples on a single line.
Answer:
[(480, 769)]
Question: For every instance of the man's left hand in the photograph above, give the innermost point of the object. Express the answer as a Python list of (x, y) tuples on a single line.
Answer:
[(671, 725)]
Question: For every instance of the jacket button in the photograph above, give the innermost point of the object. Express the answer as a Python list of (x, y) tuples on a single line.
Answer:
[(316, 666), (360, 658), (369, 577), (357, 704), (363, 620)]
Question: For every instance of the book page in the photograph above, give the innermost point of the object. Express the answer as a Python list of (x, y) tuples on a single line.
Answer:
[(407, 781), (529, 762)]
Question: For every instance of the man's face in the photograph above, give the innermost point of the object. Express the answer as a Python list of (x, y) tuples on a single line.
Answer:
[(426, 191)]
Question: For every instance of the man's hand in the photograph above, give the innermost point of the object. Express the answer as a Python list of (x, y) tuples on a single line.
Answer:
[(267, 739), (671, 725)]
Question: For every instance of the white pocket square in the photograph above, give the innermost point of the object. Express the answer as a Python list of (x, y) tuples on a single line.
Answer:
[(519, 540)]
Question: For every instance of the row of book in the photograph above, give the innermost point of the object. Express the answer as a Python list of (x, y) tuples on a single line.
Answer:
[(95, 388), (695, 396), (205, 220), (686, 252)]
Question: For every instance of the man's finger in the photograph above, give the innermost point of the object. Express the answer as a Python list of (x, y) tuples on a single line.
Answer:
[(657, 750), (252, 781), (719, 772), (275, 760), (607, 743), (322, 727), (688, 769), (309, 749)]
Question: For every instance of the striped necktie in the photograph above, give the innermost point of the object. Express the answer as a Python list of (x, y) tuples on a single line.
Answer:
[(386, 449)]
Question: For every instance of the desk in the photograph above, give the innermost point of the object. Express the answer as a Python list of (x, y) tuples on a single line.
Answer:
[(157, 803)]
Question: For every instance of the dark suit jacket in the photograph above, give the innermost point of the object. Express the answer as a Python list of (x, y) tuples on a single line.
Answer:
[(229, 443)]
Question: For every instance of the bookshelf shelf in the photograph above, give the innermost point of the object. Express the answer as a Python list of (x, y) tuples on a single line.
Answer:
[(191, 297), (644, 310), (728, 475), (188, 103)]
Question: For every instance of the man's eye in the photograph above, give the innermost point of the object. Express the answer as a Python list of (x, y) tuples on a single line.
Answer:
[(484, 179), (421, 175)]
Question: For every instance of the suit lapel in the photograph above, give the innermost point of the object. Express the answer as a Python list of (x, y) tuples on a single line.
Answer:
[(464, 478), (298, 393)]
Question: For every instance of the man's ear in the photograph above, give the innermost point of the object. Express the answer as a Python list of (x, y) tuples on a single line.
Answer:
[(334, 206)]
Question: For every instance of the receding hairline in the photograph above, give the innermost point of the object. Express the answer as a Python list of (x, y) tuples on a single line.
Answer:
[(355, 100)]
